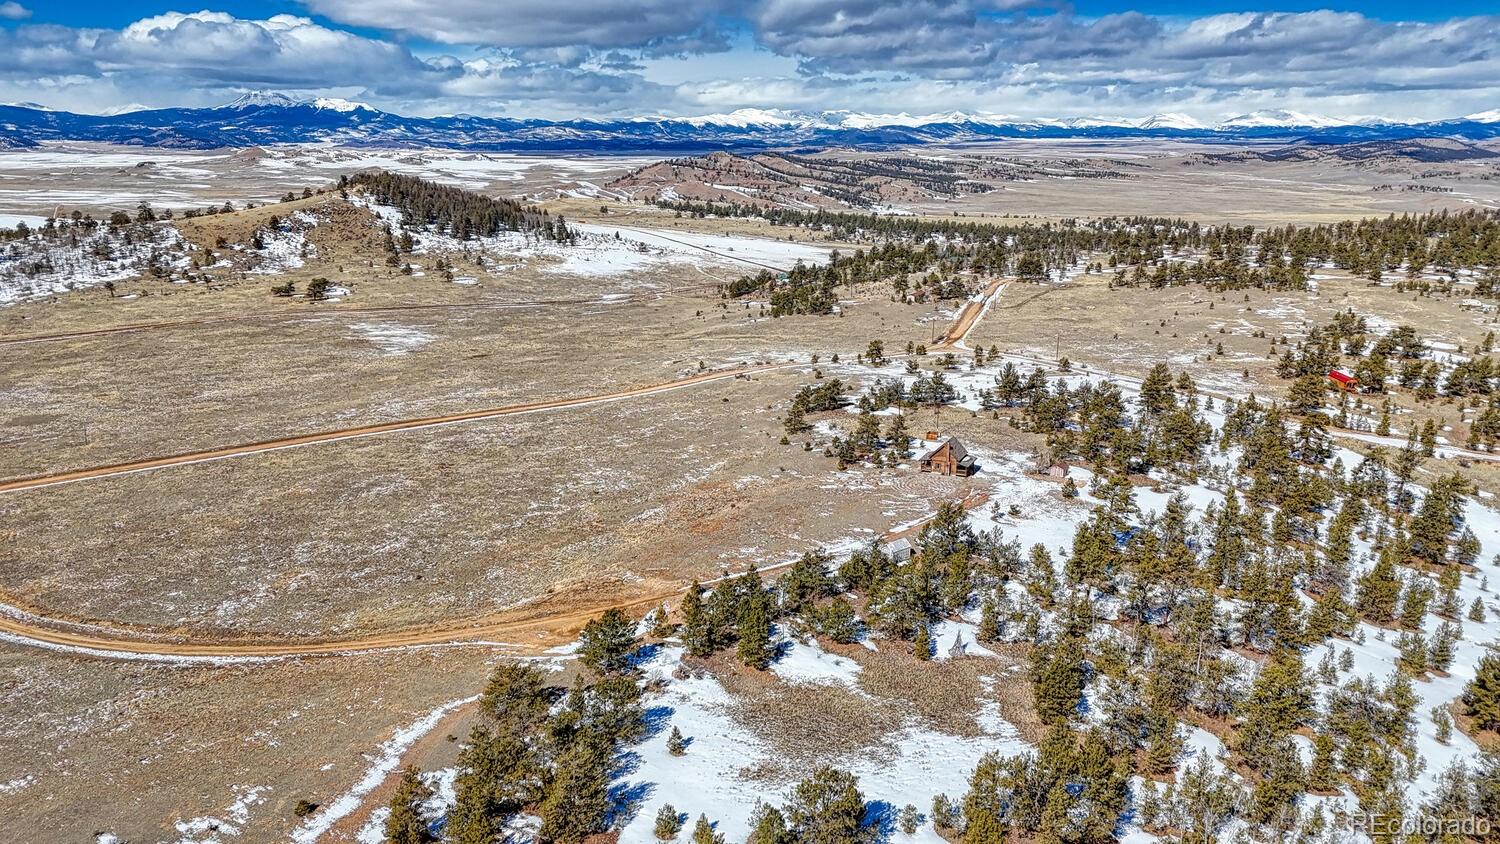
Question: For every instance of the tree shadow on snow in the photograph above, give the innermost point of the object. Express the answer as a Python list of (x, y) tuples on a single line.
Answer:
[(880, 820), (656, 719), (625, 801), (643, 655)]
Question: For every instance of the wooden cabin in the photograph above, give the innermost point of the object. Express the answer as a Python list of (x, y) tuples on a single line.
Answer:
[(950, 458), (1346, 382)]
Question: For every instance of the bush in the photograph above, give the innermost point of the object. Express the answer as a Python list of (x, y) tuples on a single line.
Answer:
[(304, 808)]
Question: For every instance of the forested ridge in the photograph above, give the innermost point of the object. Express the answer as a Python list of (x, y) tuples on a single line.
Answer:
[(461, 213)]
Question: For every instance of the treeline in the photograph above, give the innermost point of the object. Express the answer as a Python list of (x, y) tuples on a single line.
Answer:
[(460, 213), (1144, 251)]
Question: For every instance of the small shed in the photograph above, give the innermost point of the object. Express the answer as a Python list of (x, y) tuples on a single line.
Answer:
[(1058, 470), (950, 458), (930, 436), (900, 550), (1346, 382)]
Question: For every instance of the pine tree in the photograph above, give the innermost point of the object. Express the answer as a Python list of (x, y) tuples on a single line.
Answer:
[(989, 621), (1414, 601), (755, 648), (909, 820), (1057, 678), (1273, 800), (698, 629), (897, 435), (768, 826), (922, 645), (1440, 648), (984, 829), (1476, 610), (1279, 701), (1322, 774), (805, 582), (1442, 724), (474, 819), (676, 744), (1380, 588), (661, 623), (1436, 520), (1481, 698), (1055, 824), (945, 815), (607, 641), (668, 822), (516, 696), (703, 832), (499, 772), (827, 808), (1411, 654), (838, 622), (577, 800), (405, 825)]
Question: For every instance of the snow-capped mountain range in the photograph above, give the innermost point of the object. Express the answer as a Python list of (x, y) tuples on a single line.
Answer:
[(273, 118)]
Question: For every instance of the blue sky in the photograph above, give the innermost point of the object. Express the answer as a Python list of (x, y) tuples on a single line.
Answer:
[(1205, 60)]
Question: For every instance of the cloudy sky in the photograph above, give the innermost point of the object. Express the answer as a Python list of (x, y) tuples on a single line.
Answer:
[(1209, 59)]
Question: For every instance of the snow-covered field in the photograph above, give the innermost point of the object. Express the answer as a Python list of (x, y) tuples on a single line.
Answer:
[(474, 171), (603, 251)]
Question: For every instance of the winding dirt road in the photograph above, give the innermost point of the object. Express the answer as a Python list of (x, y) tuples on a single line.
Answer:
[(524, 630)]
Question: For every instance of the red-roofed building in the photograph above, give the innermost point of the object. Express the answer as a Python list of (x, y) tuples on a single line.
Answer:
[(1348, 383)]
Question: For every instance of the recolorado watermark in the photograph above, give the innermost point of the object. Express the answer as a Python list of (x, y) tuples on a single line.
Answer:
[(1399, 826)]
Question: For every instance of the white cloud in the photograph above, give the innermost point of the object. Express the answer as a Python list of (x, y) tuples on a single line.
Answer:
[(540, 23), (612, 57), (13, 11)]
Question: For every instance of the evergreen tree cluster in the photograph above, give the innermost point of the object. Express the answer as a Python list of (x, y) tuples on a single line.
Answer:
[(457, 212), (540, 749)]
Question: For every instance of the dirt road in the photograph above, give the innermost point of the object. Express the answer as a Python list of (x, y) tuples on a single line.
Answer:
[(968, 317), (191, 457), (552, 621)]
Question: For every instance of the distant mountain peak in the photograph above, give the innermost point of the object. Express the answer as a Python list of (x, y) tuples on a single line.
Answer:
[(747, 117), (276, 99), (1278, 118), (1170, 120), (260, 99), (336, 104)]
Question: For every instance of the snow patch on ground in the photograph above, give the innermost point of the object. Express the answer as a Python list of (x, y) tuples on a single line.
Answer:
[(212, 830), (389, 756), (392, 338)]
